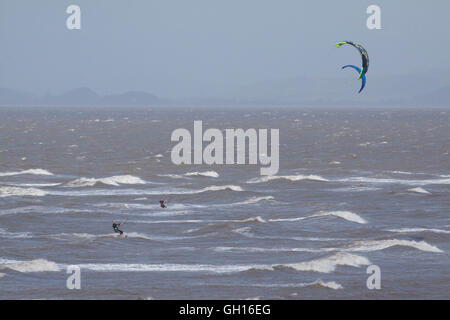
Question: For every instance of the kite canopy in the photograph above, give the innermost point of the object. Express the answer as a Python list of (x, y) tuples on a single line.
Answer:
[(362, 51), (363, 76)]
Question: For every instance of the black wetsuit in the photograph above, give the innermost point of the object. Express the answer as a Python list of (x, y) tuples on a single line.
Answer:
[(161, 202), (116, 228)]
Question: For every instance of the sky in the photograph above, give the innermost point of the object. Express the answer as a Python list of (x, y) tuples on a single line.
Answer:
[(203, 48)]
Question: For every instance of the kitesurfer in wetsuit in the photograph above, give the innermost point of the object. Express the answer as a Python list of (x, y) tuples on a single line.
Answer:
[(116, 227), (162, 203)]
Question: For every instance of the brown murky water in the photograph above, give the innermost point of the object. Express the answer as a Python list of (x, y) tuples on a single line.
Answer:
[(356, 187)]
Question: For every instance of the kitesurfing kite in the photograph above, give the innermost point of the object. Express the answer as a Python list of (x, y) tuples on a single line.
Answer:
[(365, 62)]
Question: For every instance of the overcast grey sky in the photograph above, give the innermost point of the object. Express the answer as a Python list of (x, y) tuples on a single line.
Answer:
[(180, 48)]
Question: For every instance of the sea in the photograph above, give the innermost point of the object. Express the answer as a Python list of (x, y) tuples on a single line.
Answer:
[(359, 209)]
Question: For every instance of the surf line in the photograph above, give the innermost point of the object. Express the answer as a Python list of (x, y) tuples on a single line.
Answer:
[(235, 147)]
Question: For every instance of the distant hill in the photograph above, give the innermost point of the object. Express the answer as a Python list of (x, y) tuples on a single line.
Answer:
[(428, 89), (130, 98), (78, 97)]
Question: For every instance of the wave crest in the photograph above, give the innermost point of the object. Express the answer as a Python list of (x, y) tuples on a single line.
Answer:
[(375, 245), (38, 265), (294, 178), (16, 191), (112, 181), (40, 172), (211, 174)]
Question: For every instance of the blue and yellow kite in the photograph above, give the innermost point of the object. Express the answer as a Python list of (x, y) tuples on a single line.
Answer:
[(365, 62)]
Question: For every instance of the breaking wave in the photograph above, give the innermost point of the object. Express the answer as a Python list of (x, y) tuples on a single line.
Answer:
[(395, 181), (254, 200), (317, 283), (323, 265), (326, 265), (15, 235), (6, 191), (419, 190), (131, 235), (376, 245), (359, 246), (211, 174), (347, 215), (41, 172), (247, 220), (112, 181), (219, 188), (38, 265), (414, 230), (299, 177)]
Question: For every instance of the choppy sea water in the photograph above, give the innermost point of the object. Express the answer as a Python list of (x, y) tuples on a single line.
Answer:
[(356, 187)]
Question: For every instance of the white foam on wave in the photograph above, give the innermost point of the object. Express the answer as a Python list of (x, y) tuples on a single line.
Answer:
[(328, 285), (139, 267), (288, 219), (38, 185), (323, 265), (219, 188), (419, 190), (138, 192), (112, 181), (246, 220), (245, 231), (255, 200), (211, 174), (415, 230), (252, 219), (347, 215), (298, 177), (173, 176), (358, 246), (394, 181), (41, 172), (318, 283), (376, 245), (15, 235), (355, 189), (7, 191), (74, 235), (402, 172), (131, 235), (2, 275), (38, 265), (329, 264), (137, 235), (264, 250), (334, 162)]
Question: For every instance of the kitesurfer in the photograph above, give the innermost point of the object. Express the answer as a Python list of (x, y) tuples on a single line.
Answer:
[(116, 226), (162, 203)]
